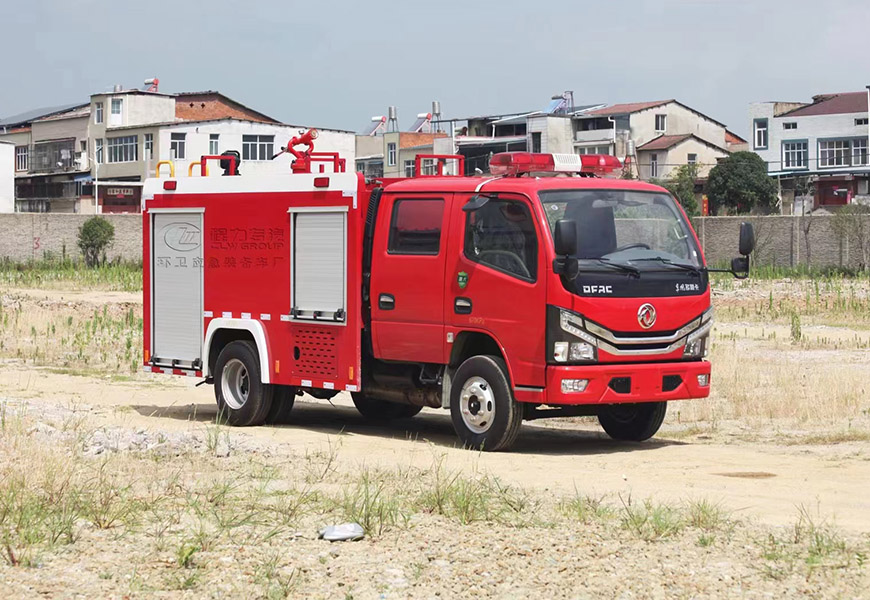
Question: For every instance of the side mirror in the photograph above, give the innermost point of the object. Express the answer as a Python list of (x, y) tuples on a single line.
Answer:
[(740, 267), (565, 237), (747, 239)]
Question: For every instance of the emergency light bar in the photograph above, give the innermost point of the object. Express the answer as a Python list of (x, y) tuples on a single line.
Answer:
[(516, 163)]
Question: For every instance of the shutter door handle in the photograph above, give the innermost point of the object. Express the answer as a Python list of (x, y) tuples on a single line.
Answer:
[(386, 302), (462, 306)]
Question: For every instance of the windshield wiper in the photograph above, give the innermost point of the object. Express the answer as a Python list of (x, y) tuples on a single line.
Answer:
[(617, 266), (669, 262)]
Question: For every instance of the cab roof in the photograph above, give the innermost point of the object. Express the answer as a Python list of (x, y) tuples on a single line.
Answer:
[(524, 185)]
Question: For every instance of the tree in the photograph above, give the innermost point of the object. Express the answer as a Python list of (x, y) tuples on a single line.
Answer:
[(681, 184), (95, 235), (740, 183)]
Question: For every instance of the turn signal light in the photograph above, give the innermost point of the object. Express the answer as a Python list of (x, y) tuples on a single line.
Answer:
[(170, 184)]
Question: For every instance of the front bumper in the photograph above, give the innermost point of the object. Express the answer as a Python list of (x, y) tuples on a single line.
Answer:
[(613, 384)]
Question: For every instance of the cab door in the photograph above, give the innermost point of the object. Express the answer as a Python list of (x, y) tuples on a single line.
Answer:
[(496, 281), (407, 287)]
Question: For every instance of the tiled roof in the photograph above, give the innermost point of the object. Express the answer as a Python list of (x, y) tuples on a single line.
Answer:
[(832, 104), (663, 142), (631, 107), (32, 115)]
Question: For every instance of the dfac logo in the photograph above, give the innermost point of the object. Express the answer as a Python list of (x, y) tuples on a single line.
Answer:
[(646, 316), (182, 237)]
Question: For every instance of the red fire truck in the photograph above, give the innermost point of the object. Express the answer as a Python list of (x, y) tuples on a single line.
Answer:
[(538, 290)]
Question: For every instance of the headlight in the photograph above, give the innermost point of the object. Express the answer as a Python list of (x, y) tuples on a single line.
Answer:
[(571, 350), (696, 348)]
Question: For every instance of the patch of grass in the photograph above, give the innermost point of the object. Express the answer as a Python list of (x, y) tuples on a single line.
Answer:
[(651, 521), (372, 503), (65, 273), (587, 509), (705, 515)]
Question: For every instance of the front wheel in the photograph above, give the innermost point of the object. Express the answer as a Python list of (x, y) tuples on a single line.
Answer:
[(482, 406), (381, 410), (632, 422), (241, 396)]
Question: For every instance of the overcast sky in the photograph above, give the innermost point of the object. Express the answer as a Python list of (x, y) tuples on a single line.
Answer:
[(337, 63)]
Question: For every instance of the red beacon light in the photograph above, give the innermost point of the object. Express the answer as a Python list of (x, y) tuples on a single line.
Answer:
[(518, 163)]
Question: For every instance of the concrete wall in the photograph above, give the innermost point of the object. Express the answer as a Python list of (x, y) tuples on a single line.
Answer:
[(26, 236), (781, 240), (678, 155), (679, 121), (786, 241), (7, 178)]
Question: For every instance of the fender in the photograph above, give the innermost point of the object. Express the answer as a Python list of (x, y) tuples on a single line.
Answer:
[(251, 325)]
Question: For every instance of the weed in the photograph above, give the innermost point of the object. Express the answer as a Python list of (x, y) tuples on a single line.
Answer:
[(651, 521)]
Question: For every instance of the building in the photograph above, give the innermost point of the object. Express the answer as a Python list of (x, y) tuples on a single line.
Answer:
[(7, 177), (49, 170), (818, 150), (114, 142), (393, 153), (653, 138)]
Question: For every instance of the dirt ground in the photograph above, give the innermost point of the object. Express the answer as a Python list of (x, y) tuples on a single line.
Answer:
[(774, 471)]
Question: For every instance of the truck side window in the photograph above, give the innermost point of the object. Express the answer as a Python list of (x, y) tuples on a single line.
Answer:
[(501, 235), (415, 226)]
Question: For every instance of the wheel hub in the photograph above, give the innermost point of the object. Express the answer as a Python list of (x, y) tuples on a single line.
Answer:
[(477, 405), (235, 383)]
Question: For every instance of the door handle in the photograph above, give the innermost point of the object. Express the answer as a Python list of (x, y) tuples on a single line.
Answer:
[(462, 306), (386, 302)]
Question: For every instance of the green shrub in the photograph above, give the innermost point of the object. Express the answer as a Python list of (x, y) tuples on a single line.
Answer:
[(94, 237)]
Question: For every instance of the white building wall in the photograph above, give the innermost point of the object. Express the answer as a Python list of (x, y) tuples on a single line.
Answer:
[(7, 177), (679, 121), (809, 128), (231, 132)]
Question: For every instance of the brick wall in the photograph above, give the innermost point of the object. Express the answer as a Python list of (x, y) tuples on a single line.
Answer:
[(25, 236)]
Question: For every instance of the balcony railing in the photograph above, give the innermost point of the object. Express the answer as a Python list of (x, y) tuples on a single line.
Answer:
[(54, 157)]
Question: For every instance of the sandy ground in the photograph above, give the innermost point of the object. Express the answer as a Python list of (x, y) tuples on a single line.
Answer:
[(764, 481)]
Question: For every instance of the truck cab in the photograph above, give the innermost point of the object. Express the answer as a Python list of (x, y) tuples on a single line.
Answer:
[(532, 294)]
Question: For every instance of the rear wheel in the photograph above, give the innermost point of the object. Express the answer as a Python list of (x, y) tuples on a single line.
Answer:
[(283, 397), (482, 406), (381, 410), (632, 422), (242, 398)]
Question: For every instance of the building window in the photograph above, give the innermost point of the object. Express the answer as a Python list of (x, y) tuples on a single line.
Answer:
[(859, 152), (760, 134), (593, 150), (834, 153), (536, 141), (123, 149), (149, 145), (790, 125), (176, 145), (391, 155), (409, 168), (21, 155), (214, 143), (428, 166), (661, 123), (361, 166), (415, 227), (692, 159), (99, 152), (653, 165), (117, 110), (795, 155), (98, 112), (257, 147), (860, 122)]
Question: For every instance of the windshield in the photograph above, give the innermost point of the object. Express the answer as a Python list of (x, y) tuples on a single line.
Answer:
[(624, 226)]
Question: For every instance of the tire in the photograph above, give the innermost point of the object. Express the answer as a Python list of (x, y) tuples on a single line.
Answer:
[(242, 398), (381, 410), (283, 397), (482, 406), (632, 422)]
